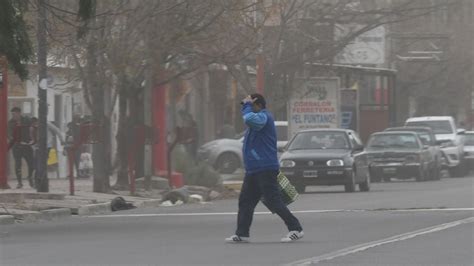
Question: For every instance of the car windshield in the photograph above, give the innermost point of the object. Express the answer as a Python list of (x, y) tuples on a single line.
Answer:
[(315, 140), (399, 141), (469, 139), (438, 127)]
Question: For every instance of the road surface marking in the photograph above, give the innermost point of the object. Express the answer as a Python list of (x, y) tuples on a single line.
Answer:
[(264, 213), (365, 246)]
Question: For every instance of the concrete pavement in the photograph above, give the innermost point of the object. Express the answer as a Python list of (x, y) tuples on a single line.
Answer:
[(173, 236)]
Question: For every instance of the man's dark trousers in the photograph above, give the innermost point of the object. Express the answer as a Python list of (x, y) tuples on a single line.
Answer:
[(254, 187), (21, 151)]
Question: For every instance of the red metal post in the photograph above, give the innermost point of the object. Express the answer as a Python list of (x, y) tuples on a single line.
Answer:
[(260, 73), (3, 124), (71, 159), (160, 146), (131, 169)]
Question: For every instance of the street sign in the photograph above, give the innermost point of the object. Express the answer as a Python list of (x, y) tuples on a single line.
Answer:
[(367, 48)]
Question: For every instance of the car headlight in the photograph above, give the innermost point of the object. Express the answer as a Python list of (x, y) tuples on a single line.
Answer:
[(335, 162), (412, 159), (287, 163)]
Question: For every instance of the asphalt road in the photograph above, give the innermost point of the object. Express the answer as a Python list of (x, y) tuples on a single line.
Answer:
[(398, 223)]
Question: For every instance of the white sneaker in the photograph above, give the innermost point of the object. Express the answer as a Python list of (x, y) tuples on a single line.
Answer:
[(237, 239), (292, 236)]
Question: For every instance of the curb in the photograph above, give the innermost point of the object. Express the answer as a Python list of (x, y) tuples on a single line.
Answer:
[(91, 209), (7, 219), (55, 214), (148, 203), (234, 185)]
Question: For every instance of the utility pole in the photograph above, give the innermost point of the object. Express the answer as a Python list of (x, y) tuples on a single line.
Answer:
[(42, 184)]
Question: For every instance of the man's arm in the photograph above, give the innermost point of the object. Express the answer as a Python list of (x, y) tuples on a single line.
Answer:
[(54, 129), (254, 120)]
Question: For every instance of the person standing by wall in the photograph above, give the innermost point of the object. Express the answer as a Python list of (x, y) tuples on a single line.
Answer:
[(20, 139), (261, 171)]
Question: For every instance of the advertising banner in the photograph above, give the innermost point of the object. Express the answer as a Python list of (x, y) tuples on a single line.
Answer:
[(314, 104)]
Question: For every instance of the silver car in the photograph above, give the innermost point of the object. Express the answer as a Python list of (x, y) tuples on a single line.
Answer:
[(225, 155)]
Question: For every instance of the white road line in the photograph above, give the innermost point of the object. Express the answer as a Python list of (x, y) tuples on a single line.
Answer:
[(365, 246), (265, 213)]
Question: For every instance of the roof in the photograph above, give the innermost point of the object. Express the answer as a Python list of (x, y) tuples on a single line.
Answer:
[(356, 67), (326, 130), (394, 133), (429, 118), (409, 128)]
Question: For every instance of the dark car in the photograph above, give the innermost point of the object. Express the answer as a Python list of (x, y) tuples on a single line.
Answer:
[(326, 157), (428, 139), (398, 154)]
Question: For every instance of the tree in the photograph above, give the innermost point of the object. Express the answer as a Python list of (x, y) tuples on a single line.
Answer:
[(15, 43), (299, 33), (135, 43)]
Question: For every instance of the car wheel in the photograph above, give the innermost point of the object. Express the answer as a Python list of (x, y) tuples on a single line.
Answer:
[(350, 185), (421, 175), (437, 172), (227, 163), (374, 178), (300, 188), (365, 186), (458, 171)]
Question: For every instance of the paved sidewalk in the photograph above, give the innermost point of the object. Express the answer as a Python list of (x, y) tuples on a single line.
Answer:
[(27, 205)]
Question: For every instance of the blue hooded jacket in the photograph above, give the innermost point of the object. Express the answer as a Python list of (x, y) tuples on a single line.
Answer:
[(260, 141)]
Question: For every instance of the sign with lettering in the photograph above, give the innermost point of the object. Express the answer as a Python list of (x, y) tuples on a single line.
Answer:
[(314, 104), (367, 48)]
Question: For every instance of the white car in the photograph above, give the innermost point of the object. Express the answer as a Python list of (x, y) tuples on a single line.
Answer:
[(469, 148), (449, 138), (225, 155)]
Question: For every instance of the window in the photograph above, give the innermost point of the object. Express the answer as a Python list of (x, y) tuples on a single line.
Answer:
[(395, 141), (316, 140), (438, 127)]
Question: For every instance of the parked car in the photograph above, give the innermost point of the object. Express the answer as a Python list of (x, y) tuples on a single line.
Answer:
[(398, 154), (428, 139), (448, 136), (225, 155), (326, 157), (469, 149)]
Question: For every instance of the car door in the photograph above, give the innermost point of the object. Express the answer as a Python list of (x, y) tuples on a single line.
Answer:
[(359, 156)]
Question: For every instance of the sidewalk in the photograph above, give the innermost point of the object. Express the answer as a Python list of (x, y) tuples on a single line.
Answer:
[(26, 205)]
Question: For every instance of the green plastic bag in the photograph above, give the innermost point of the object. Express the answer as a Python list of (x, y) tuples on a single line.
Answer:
[(288, 191)]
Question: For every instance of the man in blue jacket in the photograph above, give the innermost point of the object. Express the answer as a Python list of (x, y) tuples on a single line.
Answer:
[(261, 171)]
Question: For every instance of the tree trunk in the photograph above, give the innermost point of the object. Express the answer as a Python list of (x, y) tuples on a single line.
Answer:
[(99, 154), (122, 145)]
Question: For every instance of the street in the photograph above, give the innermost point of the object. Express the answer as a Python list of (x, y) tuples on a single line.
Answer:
[(398, 223)]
